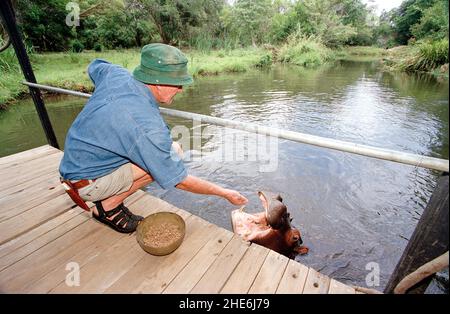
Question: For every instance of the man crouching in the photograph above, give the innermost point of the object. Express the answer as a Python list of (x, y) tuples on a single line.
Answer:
[(120, 143)]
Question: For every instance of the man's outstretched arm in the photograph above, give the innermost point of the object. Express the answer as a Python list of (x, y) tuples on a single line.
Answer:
[(200, 186)]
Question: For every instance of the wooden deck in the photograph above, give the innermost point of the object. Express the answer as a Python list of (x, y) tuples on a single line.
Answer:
[(42, 232)]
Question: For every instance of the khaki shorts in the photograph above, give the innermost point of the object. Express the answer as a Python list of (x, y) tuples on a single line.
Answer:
[(117, 182)]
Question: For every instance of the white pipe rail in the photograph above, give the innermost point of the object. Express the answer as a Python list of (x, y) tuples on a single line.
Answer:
[(364, 150)]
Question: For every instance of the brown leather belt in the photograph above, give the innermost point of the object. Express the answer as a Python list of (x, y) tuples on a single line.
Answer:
[(72, 190), (81, 183)]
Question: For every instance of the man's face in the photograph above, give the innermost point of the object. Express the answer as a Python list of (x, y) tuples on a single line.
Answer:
[(165, 93)]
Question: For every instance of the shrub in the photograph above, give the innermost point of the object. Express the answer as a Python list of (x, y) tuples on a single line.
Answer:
[(427, 57), (264, 61), (77, 46), (98, 47), (304, 51)]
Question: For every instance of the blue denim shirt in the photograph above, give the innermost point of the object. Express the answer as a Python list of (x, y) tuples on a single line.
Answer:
[(120, 123)]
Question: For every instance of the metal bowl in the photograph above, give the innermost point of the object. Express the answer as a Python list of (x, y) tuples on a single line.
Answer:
[(155, 220)]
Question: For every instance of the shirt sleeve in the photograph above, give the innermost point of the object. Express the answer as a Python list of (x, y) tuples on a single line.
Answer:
[(96, 69), (154, 153)]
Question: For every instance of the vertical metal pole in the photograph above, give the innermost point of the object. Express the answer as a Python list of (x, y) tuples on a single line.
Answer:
[(428, 241), (9, 19)]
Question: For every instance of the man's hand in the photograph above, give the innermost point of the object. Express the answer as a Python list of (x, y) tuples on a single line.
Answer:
[(235, 198)]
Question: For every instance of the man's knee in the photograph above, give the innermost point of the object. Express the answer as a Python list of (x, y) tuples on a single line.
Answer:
[(139, 173)]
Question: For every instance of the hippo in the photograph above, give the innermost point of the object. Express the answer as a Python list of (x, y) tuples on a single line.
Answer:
[(271, 228)]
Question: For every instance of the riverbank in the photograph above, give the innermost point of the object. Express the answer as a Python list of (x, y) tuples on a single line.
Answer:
[(68, 69), (425, 57)]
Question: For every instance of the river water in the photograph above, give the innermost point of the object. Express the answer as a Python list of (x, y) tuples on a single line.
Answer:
[(355, 213)]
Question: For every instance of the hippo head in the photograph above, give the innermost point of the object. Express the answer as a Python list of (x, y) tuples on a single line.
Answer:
[(279, 219), (270, 228)]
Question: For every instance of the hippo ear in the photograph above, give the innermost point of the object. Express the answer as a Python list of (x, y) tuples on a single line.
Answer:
[(264, 200), (278, 197)]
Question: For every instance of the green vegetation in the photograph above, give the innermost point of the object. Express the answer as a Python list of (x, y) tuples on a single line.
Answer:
[(422, 27), (197, 24), (367, 51), (428, 57), (421, 57), (68, 69), (305, 51)]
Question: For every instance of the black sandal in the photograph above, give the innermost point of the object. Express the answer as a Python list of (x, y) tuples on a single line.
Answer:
[(129, 213), (122, 222)]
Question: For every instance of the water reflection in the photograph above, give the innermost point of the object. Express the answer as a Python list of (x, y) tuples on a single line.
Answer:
[(351, 209)]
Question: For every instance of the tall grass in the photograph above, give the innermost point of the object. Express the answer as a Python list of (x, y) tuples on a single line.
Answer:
[(227, 61), (68, 69), (304, 51), (426, 57), (8, 61), (205, 43)]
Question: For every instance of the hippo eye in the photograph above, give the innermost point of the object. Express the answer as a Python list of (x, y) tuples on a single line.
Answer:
[(295, 238)]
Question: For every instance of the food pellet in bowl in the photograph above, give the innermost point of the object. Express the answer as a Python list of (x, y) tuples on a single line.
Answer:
[(162, 235)]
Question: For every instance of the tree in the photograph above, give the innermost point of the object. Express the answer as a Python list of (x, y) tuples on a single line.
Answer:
[(434, 22), (251, 20), (358, 15), (383, 33), (174, 19), (408, 14), (43, 22), (324, 19)]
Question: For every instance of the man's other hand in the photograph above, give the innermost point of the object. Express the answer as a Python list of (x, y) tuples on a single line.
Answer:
[(200, 186), (235, 198)]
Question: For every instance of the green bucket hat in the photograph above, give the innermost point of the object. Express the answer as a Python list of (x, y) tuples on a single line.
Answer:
[(162, 65)]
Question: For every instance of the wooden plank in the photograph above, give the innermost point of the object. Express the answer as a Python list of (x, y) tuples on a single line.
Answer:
[(16, 243), (316, 283), (337, 287), (26, 250), (102, 241), (40, 236), (194, 270), (57, 276), (246, 271), (25, 272), (27, 173), (153, 273), (27, 155), (118, 258), (48, 182), (49, 179), (26, 200), (34, 217), (270, 274), (24, 239), (294, 278), (108, 244), (23, 162), (32, 165), (219, 272)]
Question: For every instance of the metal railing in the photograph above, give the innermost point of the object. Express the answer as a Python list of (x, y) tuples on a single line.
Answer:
[(364, 150)]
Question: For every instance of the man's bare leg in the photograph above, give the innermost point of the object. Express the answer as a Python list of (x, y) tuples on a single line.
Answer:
[(140, 179)]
